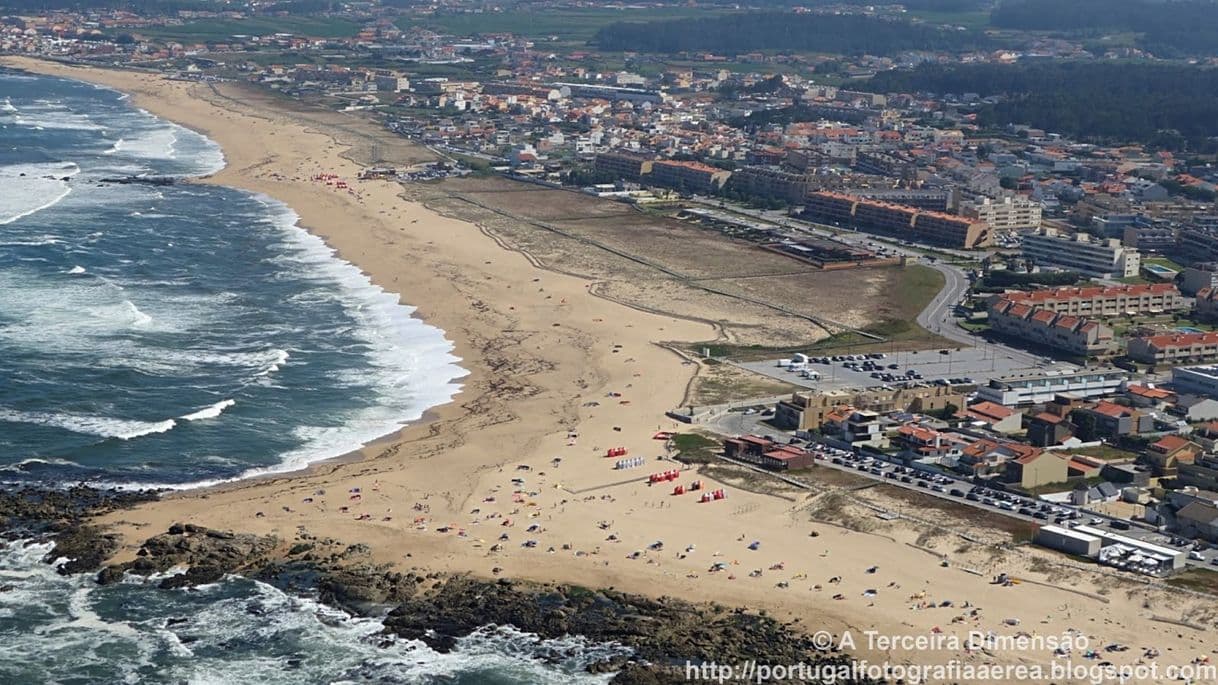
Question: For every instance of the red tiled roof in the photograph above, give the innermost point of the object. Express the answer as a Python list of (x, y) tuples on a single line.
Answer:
[(1171, 340), (1044, 316), (1170, 443), (1149, 392), (1088, 292), (991, 410), (1110, 409)]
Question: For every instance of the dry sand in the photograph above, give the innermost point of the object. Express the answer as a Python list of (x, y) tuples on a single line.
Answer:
[(558, 373)]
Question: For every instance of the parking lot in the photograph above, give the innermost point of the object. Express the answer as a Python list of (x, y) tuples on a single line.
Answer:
[(1039, 511), (966, 365)]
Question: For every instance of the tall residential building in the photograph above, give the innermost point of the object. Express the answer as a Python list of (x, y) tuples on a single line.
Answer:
[(1099, 301), (694, 177), (774, 183), (1005, 215), (1082, 253), (623, 165), (897, 220)]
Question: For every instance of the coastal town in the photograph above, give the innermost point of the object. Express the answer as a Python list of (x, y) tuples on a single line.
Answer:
[(884, 304)]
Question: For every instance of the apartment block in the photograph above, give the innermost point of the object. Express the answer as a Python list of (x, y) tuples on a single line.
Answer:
[(1198, 244), (1013, 391), (934, 200), (805, 411), (1175, 348), (693, 177), (897, 220), (1005, 215), (773, 183), (1100, 301), (1073, 334), (623, 165), (1082, 253), (1206, 304)]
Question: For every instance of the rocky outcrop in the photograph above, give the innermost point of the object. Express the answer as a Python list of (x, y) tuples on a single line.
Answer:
[(60, 516), (662, 632), (207, 555)]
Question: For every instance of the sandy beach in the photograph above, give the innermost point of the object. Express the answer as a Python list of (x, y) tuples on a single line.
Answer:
[(511, 478)]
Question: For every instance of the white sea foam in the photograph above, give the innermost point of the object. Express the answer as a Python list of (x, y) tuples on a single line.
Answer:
[(8, 106), (31, 188), (20, 466), (101, 426), (78, 269), (209, 412)]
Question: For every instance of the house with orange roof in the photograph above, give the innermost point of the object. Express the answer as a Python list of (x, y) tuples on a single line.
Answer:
[(1168, 452), (1035, 469), (987, 458), (927, 444), (1110, 420), (1149, 396), (993, 416)]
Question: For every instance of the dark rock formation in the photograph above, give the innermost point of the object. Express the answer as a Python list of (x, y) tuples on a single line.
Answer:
[(60, 516), (208, 554), (664, 633)]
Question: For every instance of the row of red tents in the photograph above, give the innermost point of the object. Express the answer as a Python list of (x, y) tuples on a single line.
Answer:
[(664, 477)]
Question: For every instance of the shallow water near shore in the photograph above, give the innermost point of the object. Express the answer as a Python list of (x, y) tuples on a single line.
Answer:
[(177, 335), (180, 334)]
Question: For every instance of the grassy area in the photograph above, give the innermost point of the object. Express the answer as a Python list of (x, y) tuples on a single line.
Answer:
[(1164, 262), (718, 383), (1105, 452), (695, 448), (564, 25), (1197, 579), (219, 30), (910, 292), (973, 19)]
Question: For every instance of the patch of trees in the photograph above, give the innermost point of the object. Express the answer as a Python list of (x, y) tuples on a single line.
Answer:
[(838, 34), (1169, 28), (1002, 279), (795, 113), (1172, 106)]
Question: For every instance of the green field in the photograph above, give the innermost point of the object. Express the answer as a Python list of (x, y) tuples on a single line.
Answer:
[(565, 25), (222, 29)]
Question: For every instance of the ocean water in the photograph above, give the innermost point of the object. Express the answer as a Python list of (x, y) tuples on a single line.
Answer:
[(178, 335), (181, 335)]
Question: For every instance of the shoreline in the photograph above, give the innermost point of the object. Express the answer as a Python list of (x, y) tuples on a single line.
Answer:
[(546, 357)]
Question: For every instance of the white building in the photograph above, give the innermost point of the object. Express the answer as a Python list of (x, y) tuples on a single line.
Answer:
[(1005, 215), (1202, 380), (1082, 253), (1013, 391)]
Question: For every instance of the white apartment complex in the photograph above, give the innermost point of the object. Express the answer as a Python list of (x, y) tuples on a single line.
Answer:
[(1082, 253), (1005, 215), (1013, 391)]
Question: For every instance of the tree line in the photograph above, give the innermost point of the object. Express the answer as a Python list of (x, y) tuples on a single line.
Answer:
[(1168, 28), (1168, 106)]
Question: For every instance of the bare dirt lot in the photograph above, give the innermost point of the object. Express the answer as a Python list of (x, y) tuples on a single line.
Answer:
[(754, 297)]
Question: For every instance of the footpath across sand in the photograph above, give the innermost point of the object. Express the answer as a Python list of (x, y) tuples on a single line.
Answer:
[(511, 477)]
